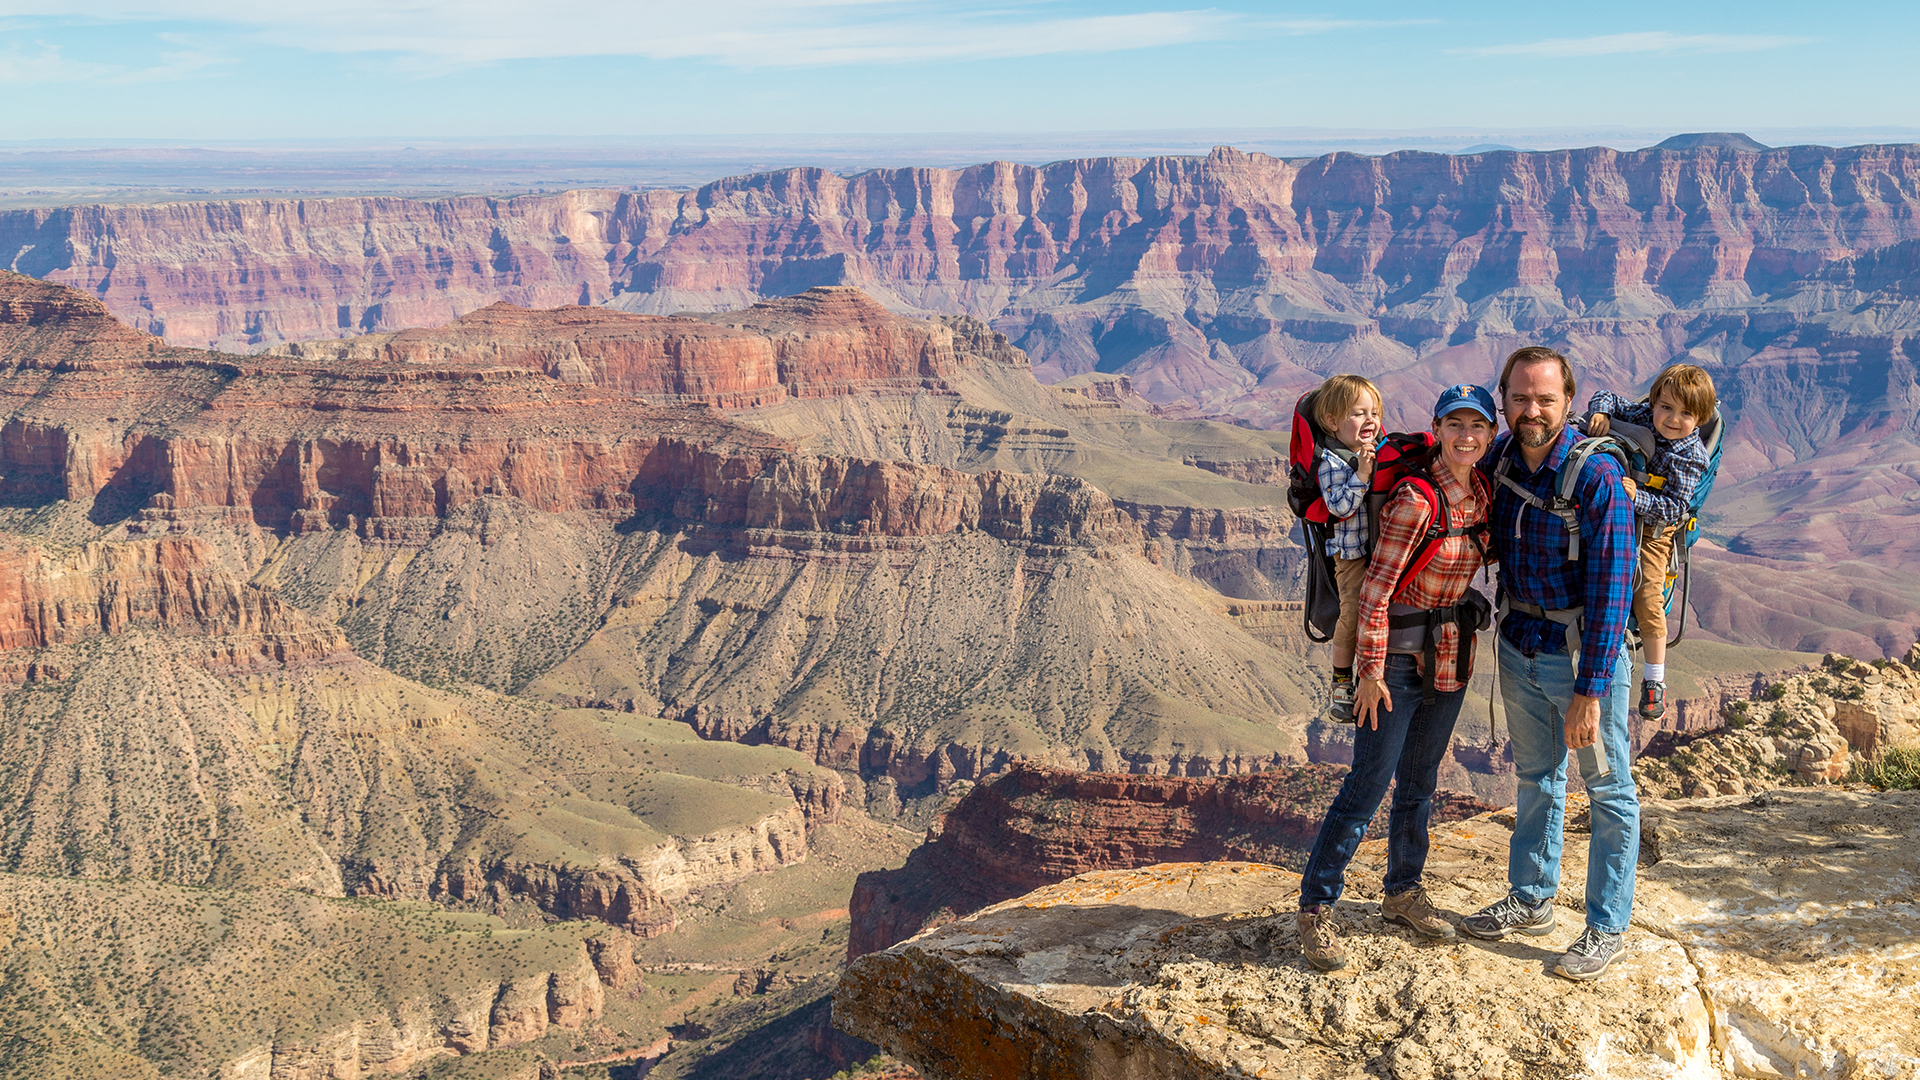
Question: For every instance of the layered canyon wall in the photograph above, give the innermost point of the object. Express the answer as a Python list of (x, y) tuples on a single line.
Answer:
[(1221, 285)]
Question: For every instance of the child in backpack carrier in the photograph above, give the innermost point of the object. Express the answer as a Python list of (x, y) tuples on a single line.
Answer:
[(1350, 407), (1681, 399)]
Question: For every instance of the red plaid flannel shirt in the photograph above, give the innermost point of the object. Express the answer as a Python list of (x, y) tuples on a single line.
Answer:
[(1441, 584)]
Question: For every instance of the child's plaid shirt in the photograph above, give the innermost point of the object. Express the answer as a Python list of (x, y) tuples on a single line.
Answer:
[(1682, 461), (1346, 497), (1441, 584)]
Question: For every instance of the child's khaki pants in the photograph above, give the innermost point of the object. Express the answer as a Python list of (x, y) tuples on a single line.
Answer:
[(1349, 574), (1649, 603)]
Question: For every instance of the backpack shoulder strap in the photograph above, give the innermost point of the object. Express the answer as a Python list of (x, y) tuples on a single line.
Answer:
[(1335, 450), (1561, 504)]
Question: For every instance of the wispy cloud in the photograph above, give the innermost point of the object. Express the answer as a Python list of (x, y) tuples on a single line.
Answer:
[(1298, 27), (744, 33), (1651, 41), (45, 64)]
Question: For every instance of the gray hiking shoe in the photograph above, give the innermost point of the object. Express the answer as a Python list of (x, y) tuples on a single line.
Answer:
[(1343, 697), (1413, 910), (1507, 914), (1653, 699), (1589, 954), (1320, 938)]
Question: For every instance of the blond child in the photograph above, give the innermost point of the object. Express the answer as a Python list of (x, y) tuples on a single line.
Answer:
[(1349, 407), (1681, 399)]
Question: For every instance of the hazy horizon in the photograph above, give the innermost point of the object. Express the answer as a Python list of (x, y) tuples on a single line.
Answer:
[(51, 173)]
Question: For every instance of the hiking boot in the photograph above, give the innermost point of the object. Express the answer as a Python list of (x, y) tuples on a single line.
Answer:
[(1320, 939), (1507, 914), (1343, 695), (1413, 910), (1653, 699), (1589, 954)]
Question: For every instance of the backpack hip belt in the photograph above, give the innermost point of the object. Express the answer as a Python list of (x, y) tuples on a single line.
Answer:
[(1471, 613), (1573, 618)]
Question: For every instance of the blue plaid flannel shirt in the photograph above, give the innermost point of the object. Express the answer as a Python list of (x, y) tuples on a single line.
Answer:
[(1532, 546), (1346, 497), (1682, 461)]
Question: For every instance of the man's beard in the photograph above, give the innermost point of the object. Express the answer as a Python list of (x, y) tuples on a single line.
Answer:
[(1533, 435)]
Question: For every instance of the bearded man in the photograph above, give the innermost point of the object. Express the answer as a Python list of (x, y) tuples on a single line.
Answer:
[(1566, 581)]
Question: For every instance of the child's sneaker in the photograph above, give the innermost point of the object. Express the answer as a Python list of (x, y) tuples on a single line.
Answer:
[(1343, 696), (1653, 699)]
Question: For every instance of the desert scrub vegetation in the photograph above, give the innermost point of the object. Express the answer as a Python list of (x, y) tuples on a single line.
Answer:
[(1896, 768)]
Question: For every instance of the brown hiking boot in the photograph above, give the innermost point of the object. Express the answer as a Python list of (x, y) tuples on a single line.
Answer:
[(1412, 909), (1320, 939)]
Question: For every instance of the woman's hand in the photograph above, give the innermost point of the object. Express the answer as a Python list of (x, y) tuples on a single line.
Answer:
[(1373, 693)]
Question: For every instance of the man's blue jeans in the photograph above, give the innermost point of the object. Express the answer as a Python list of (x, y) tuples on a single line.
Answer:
[(1536, 691), (1408, 745)]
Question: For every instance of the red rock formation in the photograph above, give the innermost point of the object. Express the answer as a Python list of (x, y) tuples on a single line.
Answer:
[(824, 342), (1789, 271), (1428, 234), (1034, 826), (422, 427)]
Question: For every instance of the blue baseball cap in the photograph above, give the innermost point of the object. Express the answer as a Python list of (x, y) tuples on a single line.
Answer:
[(1466, 396)]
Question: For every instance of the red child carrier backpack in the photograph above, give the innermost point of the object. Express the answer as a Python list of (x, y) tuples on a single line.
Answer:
[(1400, 459), (1316, 525)]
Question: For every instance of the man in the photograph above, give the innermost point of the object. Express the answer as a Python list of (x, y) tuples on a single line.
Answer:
[(1565, 672)]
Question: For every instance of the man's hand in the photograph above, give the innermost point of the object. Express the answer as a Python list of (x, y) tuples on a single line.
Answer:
[(1627, 483), (1366, 705), (1583, 721), (1363, 462), (1598, 423)]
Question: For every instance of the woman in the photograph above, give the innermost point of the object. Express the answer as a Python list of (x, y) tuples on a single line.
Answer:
[(1413, 663)]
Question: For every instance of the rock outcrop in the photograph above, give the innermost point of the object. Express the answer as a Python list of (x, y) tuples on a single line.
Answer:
[(1033, 826), (1813, 728), (1771, 937)]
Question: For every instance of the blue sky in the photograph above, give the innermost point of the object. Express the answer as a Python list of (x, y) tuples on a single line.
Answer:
[(356, 69)]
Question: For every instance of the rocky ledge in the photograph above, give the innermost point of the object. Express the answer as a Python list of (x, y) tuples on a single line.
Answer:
[(1773, 936)]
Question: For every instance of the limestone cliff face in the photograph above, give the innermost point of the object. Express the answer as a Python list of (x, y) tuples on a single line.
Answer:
[(1424, 236), (176, 585), (345, 254), (1221, 285), (1034, 826), (1740, 963)]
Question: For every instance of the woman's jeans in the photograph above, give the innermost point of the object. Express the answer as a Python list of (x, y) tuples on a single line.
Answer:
[(1408, 746)]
